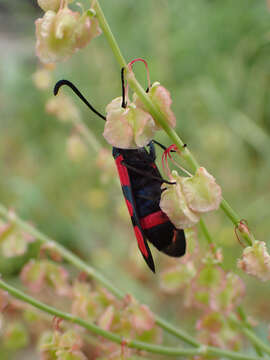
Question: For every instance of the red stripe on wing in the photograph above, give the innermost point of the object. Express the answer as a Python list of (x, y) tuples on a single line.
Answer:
[(153, 219), (130, 207), (140, 239), (122, 171)]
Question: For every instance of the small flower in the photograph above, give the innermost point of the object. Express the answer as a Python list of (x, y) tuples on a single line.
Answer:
[(37, 274), (256, 261), (186, 200), (65, 346), (128, 128), (87, 29), (201, 191), (215, 330), (174, 204), (90, 304), (60, 34), (161, 97), (205, 287), (14, 242), (175, 278)]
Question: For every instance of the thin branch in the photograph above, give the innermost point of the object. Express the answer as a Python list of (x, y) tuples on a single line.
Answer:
[(155, 349)]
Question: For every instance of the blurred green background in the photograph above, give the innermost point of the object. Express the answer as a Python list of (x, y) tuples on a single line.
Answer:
[(213, 56)]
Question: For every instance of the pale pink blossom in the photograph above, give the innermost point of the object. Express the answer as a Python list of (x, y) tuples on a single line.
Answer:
[(174, 204), (201, 191), (255, 261), (60, 34), (127, 128), (189, 197)]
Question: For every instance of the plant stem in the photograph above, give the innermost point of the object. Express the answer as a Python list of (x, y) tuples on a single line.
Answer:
[(246, 329), (157, 115), (206, 233), (255, 340), (109, 35), (89, 270), (156, 349)]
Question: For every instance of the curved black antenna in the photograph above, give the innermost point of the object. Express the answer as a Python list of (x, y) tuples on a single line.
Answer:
[(60, 83), (124, 104)]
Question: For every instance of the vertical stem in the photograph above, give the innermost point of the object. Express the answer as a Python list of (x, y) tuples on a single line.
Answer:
[(109, 35), (206, 233)]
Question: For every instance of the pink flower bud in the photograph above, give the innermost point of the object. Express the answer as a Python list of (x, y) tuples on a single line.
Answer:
[(128, 128), (256, 261), (162, 99)]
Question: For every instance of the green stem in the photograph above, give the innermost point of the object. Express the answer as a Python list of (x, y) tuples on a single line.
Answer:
[(256, 341), (78, 263), (157, 115), (206, 233), (155, 349), (247, 330), (109, 35)]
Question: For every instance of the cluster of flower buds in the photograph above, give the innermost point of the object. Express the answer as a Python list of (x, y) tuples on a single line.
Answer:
[(215, 329), (38, 274), (125, 317), (61, 31), (59, 345), (188, 197), (129, 125)]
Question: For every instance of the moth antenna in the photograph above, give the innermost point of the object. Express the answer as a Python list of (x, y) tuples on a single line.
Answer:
[(60, 83), (124, 104)]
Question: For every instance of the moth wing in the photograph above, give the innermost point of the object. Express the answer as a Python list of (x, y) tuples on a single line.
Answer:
[(131, 205)]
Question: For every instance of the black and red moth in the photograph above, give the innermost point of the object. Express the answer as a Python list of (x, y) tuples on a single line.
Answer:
[(141, 184)]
